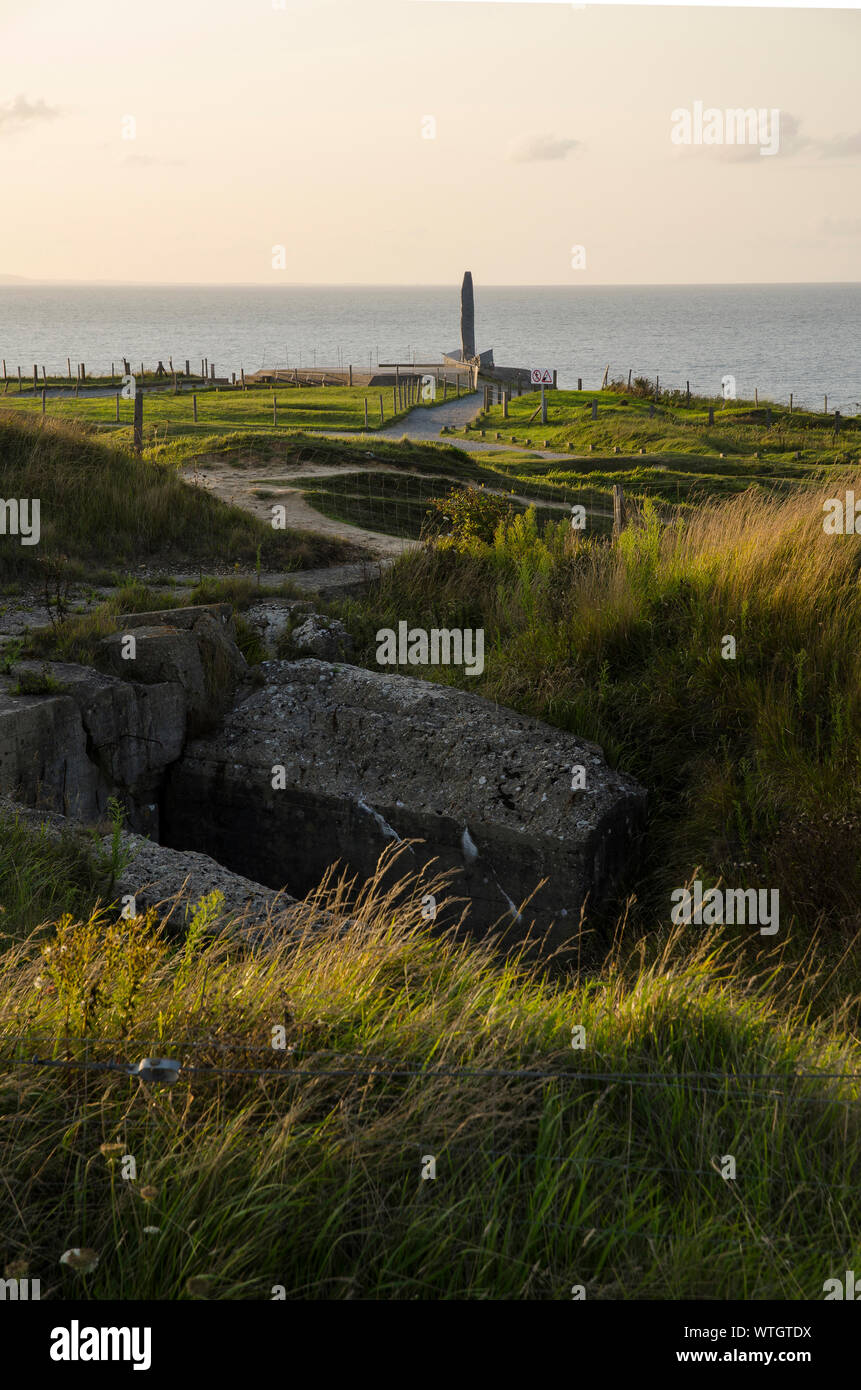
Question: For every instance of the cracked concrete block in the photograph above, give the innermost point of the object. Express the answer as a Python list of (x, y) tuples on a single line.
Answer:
[(367, 758)]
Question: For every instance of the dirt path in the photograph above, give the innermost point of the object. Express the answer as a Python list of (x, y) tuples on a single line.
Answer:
[(230, 486), (421, 426)]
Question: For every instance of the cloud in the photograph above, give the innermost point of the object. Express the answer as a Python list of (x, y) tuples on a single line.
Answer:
[(533, 149), (840, 146), (19, 112), (791, 144), (146, 161), (790, 141)]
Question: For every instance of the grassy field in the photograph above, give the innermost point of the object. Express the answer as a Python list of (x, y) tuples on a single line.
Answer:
[(740, 428), (224, 410), (752, 763), (99, 504), (302, 1168), (398, 505)]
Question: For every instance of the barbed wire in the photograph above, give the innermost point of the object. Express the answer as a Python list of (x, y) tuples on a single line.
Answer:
[(424, 1073), (102, 1178)]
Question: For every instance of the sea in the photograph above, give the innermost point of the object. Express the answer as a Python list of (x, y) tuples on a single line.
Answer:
[(803, 340)]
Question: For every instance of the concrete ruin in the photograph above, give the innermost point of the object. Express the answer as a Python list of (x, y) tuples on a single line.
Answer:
[(329, 762), (275, 774)]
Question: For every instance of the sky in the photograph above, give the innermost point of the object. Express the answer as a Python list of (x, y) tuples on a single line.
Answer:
[(396, 141)]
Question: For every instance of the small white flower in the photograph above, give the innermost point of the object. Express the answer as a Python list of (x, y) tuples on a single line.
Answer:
[(83, 1260)]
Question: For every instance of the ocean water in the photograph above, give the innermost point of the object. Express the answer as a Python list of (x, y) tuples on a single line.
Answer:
[(802, 339)]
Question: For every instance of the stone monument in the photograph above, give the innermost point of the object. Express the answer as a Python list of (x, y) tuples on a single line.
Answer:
[(467, 318)]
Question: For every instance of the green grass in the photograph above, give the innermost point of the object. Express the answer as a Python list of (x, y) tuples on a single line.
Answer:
[(752, 764), (44, 875), (223, 411), (101, 505), (677, 430), (254, 1175), (428, 1046), (398, 506)]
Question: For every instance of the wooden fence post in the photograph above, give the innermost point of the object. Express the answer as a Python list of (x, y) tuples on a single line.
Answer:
[(505, 405), (43, 400), (194, 405), (394, 400), (35, 378), (790, 402), (69, 365), (381, 407), (274, 409), (138, 425), (688, 392), (618, 510), (579, 385), (187, 364), (351, 373), (366, 412)]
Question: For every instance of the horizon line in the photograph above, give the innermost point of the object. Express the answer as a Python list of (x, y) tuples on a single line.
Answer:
[(14, 282)]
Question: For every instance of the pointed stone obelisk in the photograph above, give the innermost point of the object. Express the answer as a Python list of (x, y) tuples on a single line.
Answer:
[(467, 317)]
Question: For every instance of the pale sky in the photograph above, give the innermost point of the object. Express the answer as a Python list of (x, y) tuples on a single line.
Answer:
[(303, 126)]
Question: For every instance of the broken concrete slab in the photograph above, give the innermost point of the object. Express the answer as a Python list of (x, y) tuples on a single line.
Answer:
[(272, 617), (71, 749), (193, 647), (323, 637), (330, 762), (180, 880)]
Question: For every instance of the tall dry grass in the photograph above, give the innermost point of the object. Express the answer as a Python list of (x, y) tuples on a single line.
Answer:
[(752, 762), (302, 1167)]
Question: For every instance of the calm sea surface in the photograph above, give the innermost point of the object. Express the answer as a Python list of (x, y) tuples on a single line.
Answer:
[(804, 339)]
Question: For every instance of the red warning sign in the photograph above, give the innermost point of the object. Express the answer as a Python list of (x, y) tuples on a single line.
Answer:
[(542, 376)]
